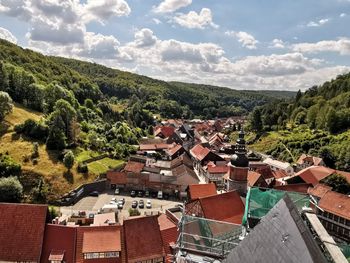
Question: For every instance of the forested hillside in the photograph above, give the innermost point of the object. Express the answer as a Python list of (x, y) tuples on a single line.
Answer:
[(316, 122)]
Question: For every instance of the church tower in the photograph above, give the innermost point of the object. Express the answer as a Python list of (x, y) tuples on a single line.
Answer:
[(239, 166)]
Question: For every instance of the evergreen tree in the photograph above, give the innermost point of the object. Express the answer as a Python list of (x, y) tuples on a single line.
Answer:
[(256, 122), (68, 160)]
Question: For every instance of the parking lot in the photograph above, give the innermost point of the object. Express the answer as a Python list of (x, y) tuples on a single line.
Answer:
[(92, 204)]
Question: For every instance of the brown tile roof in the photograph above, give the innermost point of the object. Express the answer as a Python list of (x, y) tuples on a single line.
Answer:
[(319, 190), (266, 172), (143, 239), (64, 245), (314, 174), (300, 188), (227, 207), (153, 147), (183, 170), (166, 131), (21, 231), (279, 174), (308, 158), (117, 177), (253, 177), (135, 167), (336, 203), (199, 152), (168, 231), (201, 190), (97, 239)]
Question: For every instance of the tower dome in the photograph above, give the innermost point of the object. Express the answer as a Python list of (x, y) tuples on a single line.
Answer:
[(240, 159)]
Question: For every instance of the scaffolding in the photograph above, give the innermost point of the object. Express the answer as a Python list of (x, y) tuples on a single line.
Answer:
[(208, 237)]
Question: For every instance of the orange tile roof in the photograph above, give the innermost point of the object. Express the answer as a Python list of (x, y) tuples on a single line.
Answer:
[(174, 149), (199, 152), (336, 203), (117, 177), (97, 239), (314, 174), (164, 222), (201, 190), (227, 207), (308, 158), (55, 246), (253, 177), (319, 190), (143, 239), (21, 231), (135, 167)]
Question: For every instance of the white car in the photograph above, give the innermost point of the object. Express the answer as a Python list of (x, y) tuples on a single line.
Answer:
[(148, 204), (114, 199)]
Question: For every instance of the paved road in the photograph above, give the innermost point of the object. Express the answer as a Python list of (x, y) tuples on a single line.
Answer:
[(92, 204)]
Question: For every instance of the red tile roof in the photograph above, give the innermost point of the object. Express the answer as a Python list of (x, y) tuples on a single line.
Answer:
[(218, 169), (97, 239), (164, 222), (174, 149), (308, 158), (64, 245), (143, 239), (117, 177), (319, 190), (168, 231), (166, 131), (21, 231), (199, 152), (201, 190), (135, 167), (336, 203), (227, 207)]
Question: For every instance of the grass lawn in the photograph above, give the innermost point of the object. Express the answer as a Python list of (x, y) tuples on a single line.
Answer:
[(83, 155), (103, 165)]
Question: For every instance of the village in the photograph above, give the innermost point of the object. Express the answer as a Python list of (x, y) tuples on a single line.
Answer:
[(189, 195)]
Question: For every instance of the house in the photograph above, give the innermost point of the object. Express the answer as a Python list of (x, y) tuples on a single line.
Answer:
[(315, 174), (227, 207), (164, 131), (169, 233), (184, 177), (215, 173), (335, 216), (278, 165), (195, 191), (319, 190), (116, 179), (143, 240), (305, 161), (175, 151), (96, 243), (105, 219), (60, 249), (281, 236), (256, 179), (202, 155), (22, 228)]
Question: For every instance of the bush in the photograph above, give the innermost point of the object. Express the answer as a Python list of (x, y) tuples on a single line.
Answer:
[(8, 167), (68, 160), (82, 168), (11, 190), (134, 212), (32, 129)]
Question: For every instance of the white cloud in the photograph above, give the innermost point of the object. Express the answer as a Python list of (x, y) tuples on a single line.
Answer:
[(194, 20), (318, 23), (156, 21), (342, 15), (277, 43), (247, 40), (341, 46), (145, 38), (102, 10), (168, 6), (7, 35)]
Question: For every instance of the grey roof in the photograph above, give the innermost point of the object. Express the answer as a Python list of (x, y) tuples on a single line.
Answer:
[(281, 237)]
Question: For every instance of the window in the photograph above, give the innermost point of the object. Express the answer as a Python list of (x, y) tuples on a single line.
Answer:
[(114, 254)]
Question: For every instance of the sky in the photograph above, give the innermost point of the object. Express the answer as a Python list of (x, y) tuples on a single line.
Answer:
[(254, 44)]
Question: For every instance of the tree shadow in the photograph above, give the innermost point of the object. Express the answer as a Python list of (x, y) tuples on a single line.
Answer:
[(4, 127), (68, 175), (15, 136), (54, 155)]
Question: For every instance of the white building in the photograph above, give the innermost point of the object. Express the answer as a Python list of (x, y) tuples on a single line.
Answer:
[(278, 165)]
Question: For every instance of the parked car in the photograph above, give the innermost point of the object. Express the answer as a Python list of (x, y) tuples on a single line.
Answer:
[(114, 199), (147, 194), (122, 200), (120, 204), (154, 194), (139, 193), (91, 216), (148, 204), (94, 193), (132, 193), (160, 195), (134, 204), (117, 191), (141, 204)]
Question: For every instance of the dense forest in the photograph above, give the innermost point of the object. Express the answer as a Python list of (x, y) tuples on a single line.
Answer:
[(316, 122)]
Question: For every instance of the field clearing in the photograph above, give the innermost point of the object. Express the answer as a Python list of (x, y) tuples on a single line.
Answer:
[(103, 165)]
